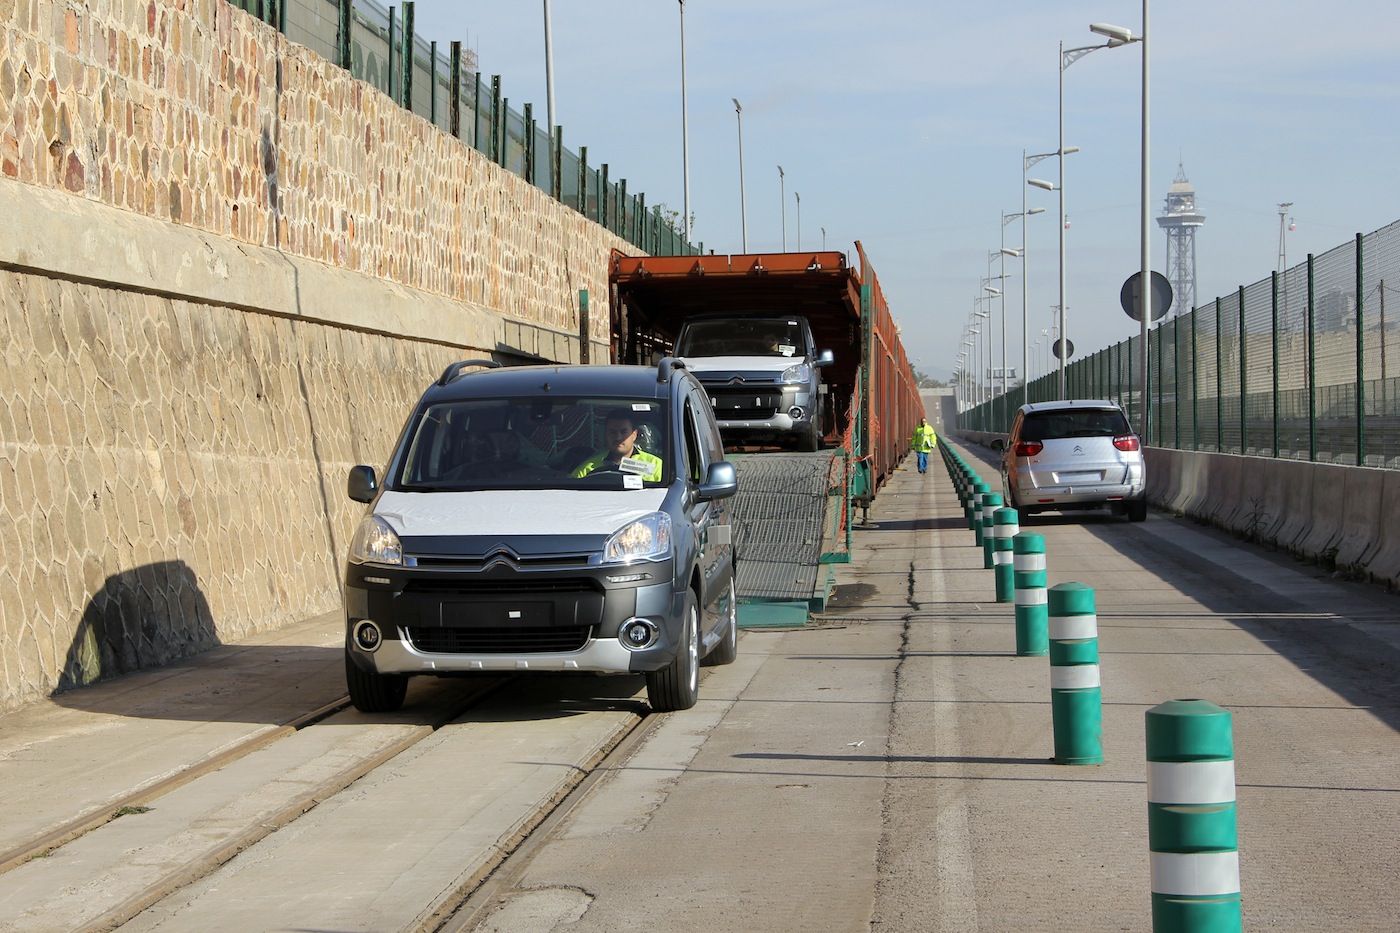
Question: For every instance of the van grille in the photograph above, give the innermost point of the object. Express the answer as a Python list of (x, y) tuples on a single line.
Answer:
[(504, 640)]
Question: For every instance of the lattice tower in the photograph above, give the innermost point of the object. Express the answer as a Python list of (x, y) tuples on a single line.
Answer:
[(1180, 221)]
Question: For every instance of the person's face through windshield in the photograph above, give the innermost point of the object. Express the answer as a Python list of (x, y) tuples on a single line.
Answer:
[(620, 434)]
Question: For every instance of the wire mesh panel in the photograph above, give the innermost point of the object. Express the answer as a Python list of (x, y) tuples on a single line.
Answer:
[(1207, 380), (1165, 375), (1229, 409), (1335, 323), (1380, 293), (1257, 353), (369, 45), (312, 23), (1292, 366)]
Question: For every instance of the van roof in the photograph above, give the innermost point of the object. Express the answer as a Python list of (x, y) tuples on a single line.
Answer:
[(518, 381)]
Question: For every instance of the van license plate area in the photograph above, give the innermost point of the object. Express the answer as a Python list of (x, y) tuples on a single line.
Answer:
[(497, 613), (1095, 476)]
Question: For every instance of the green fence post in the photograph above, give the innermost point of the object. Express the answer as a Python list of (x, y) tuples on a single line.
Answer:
[(389, 66), (494, 152), (1176, 381), (1195, 389), (503, 127), (527, 117), (406, 59), (1076, 700), (1244, 376), (583, 180), (1032, 615), (988, 504), (342, 33), (642, 225), (1129, 387), (603, 196), (622, 208), (556, 162), (1312, 368), (1007, 525), (455, 99), (1191, 826), (1219, 384), (1157, 384), (1360, 361), (1273, 301), (432, 82)]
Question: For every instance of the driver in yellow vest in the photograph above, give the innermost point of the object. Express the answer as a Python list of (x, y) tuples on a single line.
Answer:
[(923, 442), (622, 453)]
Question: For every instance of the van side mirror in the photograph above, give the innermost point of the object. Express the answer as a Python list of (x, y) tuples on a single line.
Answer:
[(362, 484), (721, 482), (825, 358), (998, 444)]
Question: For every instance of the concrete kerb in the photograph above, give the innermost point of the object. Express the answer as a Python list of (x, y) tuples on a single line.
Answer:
[(1163, 475), (1191, 487)]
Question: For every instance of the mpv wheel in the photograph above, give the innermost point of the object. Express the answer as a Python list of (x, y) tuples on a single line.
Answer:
[(374, 693), (1137, 511), (728, 649), (677, 685)]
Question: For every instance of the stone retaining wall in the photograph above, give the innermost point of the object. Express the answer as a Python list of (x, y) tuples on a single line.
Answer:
[(226, 271)]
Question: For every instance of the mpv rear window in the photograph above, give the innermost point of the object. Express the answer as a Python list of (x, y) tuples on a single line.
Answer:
[(1078, 422)]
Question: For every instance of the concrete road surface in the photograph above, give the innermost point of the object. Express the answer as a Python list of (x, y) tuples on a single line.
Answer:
[(888, 767)]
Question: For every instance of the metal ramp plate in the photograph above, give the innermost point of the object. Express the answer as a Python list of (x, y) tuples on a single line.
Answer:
[(779, 514)]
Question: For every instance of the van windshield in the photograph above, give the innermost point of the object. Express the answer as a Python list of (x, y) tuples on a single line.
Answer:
[(536, 443), (744, 336), (1077, 422)]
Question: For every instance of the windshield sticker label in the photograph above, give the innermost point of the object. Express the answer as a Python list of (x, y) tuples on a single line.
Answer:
[(634, 465), (641, 406), (631, 481), (786, 349)]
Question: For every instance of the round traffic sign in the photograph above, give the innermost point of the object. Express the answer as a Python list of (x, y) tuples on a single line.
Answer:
[(1069, 349), (1131, 300)]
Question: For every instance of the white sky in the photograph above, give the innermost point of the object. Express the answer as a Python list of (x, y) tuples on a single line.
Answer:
[(901, 123)]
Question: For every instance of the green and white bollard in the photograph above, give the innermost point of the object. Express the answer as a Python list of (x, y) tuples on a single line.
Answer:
[(1028, 568), (1191, 818), (991, 501), (974, 509), (1006, 525), (1076, 701)]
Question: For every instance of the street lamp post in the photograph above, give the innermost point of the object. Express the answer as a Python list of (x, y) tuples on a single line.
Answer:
[(823, 229), (685, 135), (743, 215), (549, 70), (1120, 35), (782, 197), (798, 196), (1067, 57)]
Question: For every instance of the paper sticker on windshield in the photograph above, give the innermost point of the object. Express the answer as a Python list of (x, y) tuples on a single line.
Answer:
[(792, 323), (631, 481), (786, 349), (634, 465), (641, 406)]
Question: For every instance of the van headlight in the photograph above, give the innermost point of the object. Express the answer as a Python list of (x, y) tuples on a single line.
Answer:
[(648, 538), (375, 543), (798, 374)]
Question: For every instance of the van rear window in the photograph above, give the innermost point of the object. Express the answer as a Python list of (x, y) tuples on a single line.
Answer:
[(1078, 422)]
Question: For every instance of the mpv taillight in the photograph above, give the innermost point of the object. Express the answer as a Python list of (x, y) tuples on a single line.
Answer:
[(1029, 448), (1126, 442)]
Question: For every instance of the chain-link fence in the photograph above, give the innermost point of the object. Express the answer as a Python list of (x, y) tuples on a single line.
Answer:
[(444, 86), (1304, 365)]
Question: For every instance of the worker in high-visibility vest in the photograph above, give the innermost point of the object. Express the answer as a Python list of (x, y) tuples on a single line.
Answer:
[(923, 442)]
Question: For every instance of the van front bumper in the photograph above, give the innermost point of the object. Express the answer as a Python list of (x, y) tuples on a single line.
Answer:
[(526, 621)]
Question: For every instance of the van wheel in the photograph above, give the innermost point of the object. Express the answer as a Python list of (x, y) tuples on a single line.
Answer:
[(1137, 511), (677, 685), (728, 649), (809, 440), (374, 693)]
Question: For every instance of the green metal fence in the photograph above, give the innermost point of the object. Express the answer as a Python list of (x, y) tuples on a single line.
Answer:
[(372, 43), (1304, 365)]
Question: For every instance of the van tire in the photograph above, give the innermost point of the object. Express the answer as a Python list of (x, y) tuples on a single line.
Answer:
[(1137, 511), (374, 693), (677, 685), (810, 440), (728, 648)]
